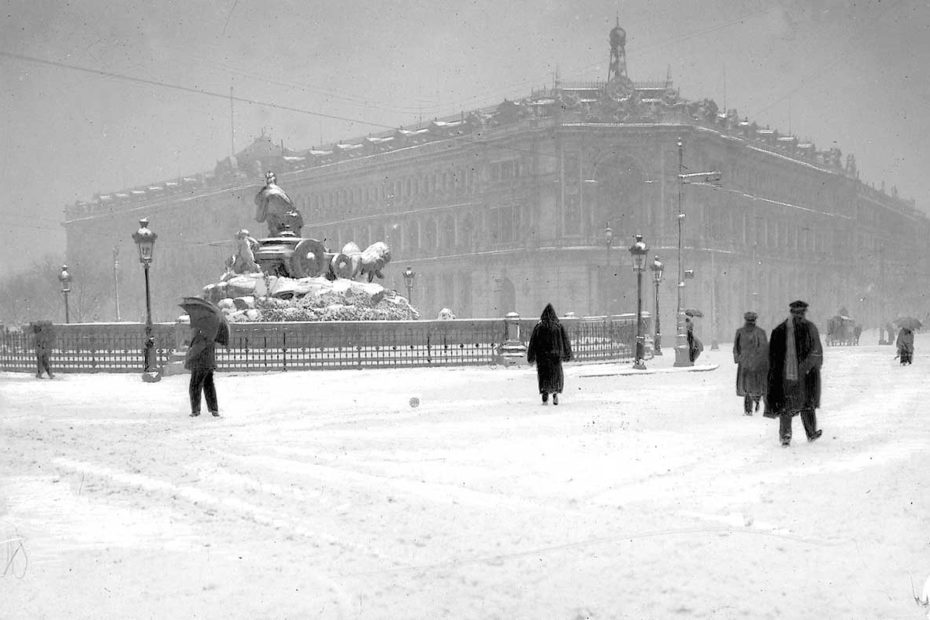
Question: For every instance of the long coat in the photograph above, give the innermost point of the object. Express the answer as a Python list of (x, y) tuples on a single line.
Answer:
[(548, 348), (201, 355), (44, 337), (751, 353), (804, 393), (905, 341)]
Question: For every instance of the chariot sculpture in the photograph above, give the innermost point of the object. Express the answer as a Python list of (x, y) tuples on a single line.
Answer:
[(285, 253)]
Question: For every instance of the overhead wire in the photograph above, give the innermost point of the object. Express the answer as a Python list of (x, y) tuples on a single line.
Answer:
[(188, 89)]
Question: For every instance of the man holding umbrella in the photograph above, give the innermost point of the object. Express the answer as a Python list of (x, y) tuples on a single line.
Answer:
[(208, 326), (695, 346)]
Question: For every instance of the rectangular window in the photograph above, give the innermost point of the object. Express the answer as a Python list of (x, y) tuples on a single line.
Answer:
[(572, 215), (506, 224), (506, 170)]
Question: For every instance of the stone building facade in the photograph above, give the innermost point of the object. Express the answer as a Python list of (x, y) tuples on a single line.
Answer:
[(505, 209)]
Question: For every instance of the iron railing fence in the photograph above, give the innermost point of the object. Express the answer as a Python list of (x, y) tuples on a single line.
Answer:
[(118, 347)]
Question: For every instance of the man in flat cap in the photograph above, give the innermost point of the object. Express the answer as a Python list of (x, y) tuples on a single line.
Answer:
[(751, 354), (795, 358)]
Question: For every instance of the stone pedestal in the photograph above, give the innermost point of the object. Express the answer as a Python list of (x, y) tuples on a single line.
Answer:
[(175, 364), (512, 351)]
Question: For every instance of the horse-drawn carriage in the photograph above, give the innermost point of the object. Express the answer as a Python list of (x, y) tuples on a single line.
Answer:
[(842, 331)]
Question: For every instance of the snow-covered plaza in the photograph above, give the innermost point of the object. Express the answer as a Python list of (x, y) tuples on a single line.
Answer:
[(327, 495)]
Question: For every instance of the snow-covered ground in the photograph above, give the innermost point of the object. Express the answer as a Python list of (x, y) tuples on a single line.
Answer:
[(327, 495)]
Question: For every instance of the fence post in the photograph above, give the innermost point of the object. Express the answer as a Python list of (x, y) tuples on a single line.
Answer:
[(175, 364), (512, 351)]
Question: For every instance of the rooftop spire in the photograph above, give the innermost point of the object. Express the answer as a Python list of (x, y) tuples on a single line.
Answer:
[(617, 52)]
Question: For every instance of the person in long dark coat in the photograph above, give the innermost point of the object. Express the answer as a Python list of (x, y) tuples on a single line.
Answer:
[(201, 361), (695, 346), (45, 342), (548, 348), (795, 358), (751, 354), (905, 344)]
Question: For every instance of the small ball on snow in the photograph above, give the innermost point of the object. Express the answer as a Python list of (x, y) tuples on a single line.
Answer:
[(414, 402)]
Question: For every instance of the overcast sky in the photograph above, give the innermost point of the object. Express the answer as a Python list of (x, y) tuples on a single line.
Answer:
[(99, 96)]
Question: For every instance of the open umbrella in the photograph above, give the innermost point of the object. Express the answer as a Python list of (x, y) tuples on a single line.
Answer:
[(694, 312), (908, 322), (208, 318)]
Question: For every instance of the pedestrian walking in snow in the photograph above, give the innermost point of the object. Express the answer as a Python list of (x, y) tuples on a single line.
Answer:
[(795, 358), (201, 361), (751, 354), (45, 341), (905, 344), (695, 346), (548, 348)]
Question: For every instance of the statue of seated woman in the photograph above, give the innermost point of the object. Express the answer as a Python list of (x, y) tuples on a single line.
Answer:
[(275, 207)]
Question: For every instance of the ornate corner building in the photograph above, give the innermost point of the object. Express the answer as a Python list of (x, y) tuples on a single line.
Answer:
[(505, 209)]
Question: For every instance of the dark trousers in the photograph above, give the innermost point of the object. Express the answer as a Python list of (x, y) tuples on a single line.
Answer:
[(202, 380), (42, 365), (808, 418), (748, 401)]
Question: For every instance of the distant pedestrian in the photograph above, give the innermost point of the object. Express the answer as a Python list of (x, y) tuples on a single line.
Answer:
[(201, 361), (548, 348), (905, 344), (751, 353), (45, 342), (795, 358), (695, 346)]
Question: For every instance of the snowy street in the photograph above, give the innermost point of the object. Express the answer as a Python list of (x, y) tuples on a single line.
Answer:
[(327, 495)]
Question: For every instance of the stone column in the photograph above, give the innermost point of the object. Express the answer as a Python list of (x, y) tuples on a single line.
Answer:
[(175, 365), (512, 350)]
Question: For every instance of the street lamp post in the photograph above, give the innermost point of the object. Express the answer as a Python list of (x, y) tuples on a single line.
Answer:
[(409, 275), (657, 270), (145, 240), (65, 278), (638, 251)]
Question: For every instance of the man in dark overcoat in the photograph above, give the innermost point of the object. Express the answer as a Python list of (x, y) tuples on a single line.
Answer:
[(751, 354), (795, 358), (201, 361)]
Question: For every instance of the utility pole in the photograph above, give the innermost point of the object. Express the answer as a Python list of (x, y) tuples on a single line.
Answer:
[(116, 278), (682, 353), (713, 302), (682, 348), (232, 125)]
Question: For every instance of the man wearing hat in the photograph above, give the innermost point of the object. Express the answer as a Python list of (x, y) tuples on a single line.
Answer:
[(751, 354), (795, 358)]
